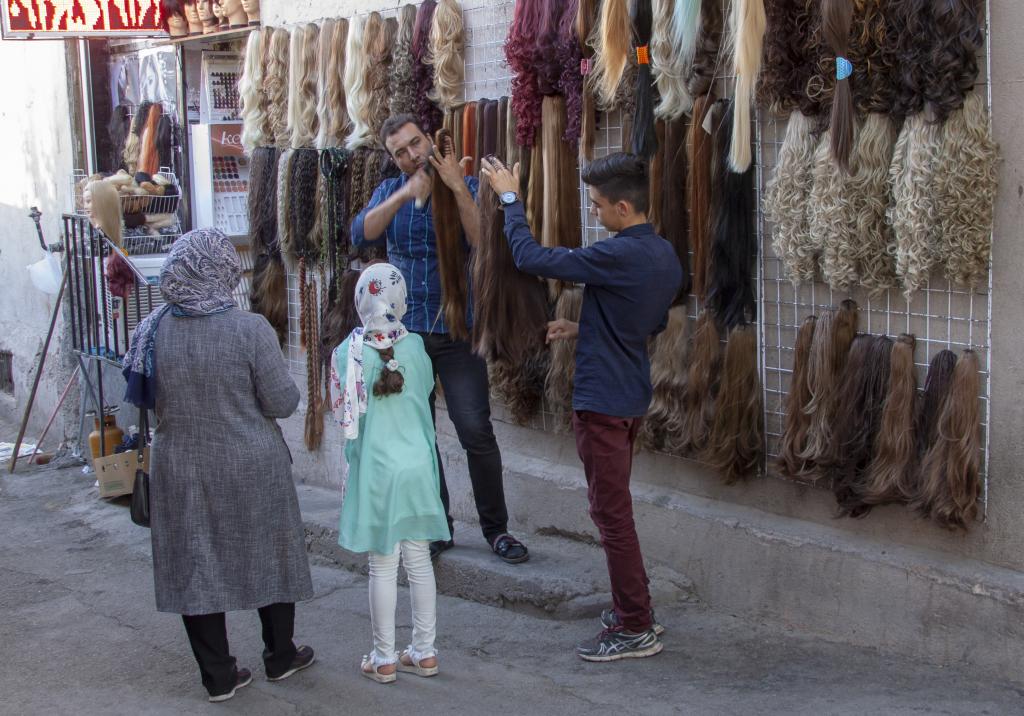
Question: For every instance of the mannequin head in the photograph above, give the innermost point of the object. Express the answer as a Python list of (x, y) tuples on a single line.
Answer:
[(195, 23), (207, 16), (173, 12), (222, 17), (252, 9), (235, 14), (103, 207)]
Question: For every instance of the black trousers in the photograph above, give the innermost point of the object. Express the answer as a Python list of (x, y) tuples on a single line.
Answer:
[(467, 396), (208, 635)]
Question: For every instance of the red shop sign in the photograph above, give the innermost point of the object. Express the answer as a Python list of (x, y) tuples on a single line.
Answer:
[(53, 19)]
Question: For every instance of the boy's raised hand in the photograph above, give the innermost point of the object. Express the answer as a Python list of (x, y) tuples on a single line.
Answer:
[(498, 175), (562, 329)]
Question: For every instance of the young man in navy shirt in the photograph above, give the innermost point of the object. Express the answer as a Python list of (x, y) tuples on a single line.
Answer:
[(400, 212), (631, 280)]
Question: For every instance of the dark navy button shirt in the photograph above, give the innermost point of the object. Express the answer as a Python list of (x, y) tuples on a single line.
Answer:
[(412, 248), (631, 280)]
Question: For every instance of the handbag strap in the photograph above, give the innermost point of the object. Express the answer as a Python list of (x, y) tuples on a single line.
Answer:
[(143, 434)]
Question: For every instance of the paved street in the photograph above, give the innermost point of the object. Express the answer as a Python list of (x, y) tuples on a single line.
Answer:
[(79, 635)]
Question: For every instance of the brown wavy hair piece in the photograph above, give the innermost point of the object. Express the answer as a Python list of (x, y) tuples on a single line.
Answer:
[(953, 68), (277, 87), (662, 429), (701, 150), (936, 388), (558, 386), (379, 46), (701, 383), (521, 387), (950, 471), (709, 44), (784, 55), (857, 420), (891, 473), (450, 250), (794, 432), (736, 441)]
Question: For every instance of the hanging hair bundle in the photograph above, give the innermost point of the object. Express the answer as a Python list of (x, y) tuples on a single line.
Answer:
[(302, 85), (736, 438), (701, 151), (342, 316), (335, 165), (936, 388), (705, 67), (837, 22), (570, 81), (379, 48), (796, 423), (324, 108), (644, 142), (950, 482), (787, 200), (520, 56), (277, 87), (874, 249), (701, 383), (269, 292), (891, 475), (673, 43), (785, 40), (586, 24), (357, 92), (672, 197), (857, 420), (558, 386), (662, 429), (249, 92), (133, 143), (446, 54), (730, 293), (401, 86), (450, 250), (560, 222), (303, 198), (747, 25), (832, 218), (284, 176), (430, 117), (149, 154), (952, 69), (611, 51)]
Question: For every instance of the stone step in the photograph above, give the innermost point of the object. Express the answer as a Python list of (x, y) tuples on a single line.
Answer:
[(565, 577)]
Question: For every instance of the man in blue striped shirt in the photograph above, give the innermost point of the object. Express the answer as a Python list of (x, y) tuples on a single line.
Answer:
[(400, 213)]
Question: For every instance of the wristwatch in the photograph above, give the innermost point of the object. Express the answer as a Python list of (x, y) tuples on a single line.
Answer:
[(508, 198)]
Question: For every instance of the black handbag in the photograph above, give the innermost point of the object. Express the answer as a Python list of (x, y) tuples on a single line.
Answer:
[(140, 493)]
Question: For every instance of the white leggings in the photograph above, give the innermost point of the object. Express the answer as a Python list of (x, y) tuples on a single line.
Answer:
[(384, 599)]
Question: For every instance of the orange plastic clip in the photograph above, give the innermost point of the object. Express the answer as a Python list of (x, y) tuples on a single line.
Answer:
[(643, 55)]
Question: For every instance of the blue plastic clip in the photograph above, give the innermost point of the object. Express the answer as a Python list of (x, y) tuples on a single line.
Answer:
[(844, 68)]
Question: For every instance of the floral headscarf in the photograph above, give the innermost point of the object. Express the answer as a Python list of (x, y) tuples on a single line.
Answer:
[(197, 279), (380, 302)]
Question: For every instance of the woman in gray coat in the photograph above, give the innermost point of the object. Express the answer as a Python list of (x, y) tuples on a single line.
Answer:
[(226, 529)]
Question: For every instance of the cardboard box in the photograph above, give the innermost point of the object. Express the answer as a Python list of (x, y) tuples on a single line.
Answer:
[(116, 473)]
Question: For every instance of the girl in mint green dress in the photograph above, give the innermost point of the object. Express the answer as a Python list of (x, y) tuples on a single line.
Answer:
[(381, 383)]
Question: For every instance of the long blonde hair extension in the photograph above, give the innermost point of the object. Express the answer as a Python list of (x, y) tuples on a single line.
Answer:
[(277, 87), (302, 84), (612, 43), (446, 54), (747, 24), (250, 84), (333, 135), (357, 93)]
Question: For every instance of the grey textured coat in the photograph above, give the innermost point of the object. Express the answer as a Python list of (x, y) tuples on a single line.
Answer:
[(227, 534)]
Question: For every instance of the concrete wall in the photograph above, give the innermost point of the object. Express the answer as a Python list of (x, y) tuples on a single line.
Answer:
[(37, 155)]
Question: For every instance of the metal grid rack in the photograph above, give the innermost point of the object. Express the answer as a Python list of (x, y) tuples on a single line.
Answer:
[(487, 73)]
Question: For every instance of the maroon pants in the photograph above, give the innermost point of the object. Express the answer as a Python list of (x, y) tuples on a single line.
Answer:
[(605, 445)]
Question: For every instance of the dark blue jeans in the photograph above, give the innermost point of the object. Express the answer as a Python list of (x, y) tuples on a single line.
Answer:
[(467, 396)]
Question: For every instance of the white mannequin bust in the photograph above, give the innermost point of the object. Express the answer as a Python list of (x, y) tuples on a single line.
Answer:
[(252, 9), (195, 23), (205, 8), (235, 13)]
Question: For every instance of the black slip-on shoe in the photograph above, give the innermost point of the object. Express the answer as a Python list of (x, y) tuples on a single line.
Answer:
[(509, 549)]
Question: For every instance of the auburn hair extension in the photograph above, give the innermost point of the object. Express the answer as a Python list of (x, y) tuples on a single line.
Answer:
[(837, 22), (520, 56), (644, 142), (787, 200), (794, 432), (586, 25), (936, 388), (950, 484), (149, 153), (662, 429), (701, 383), (249, 86), (830, 347), (570, 81), (730, 292), (966, 180), (469, 119), (953, 67), (446, 54), (701, 151), (450, 252), (672, 197), (747, 25), (857, 419), (736, 440), (832, 217), (357, 92), (672, 46), (545, 49), (401, 87), (890, 476), (558, 386), (912, 211), (611, 51), (705, 66), (785, 39), (430, 116), (378, 41), (874, 247), (277, 87)]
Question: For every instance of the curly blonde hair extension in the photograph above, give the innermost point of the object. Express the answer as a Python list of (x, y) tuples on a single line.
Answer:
[(401, 86), (891, 472), (446, 54), (832, 220), (379, 39), (357, 93), (253, 112), (913, 213), (277, 87), (736, 440), (672, 44), (558, 386), (612, 43), (787, 200), (662, 429), (966, 183), (794, 433), (302, 82), (701, 383), (875, 250), (324, 108)]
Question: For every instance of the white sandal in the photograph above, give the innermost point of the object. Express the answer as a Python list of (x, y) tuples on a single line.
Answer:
[(415, 658), (369, 666)]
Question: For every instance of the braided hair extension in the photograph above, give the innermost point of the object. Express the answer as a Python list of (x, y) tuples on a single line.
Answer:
[(794, 433), (451, 253)]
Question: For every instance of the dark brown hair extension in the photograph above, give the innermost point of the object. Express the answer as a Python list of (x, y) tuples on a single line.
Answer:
[(891, 472), (662, 429), (302, 200), (857, 420), (270, 294), (672, 197), (871, 53), (936, 388), (558, 385), (950, 484), (262, 198), (389, 382), (709, 44), (701, 382), (953, 69), (429, 114), (830, 347), (342, 316), (784, 55), (451, 253), (736, 440), (699, 193), (656, 167), (501, 148), (816, 77), (546, 51), (521, 387), (914, 23), (730, 291), (645, 142), (837, 21), (794, 432), (489, 132), (586, 20)]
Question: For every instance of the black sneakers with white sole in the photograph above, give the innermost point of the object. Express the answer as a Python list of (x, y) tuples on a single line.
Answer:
[(617, 643), (610, 620), (243, 678)]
